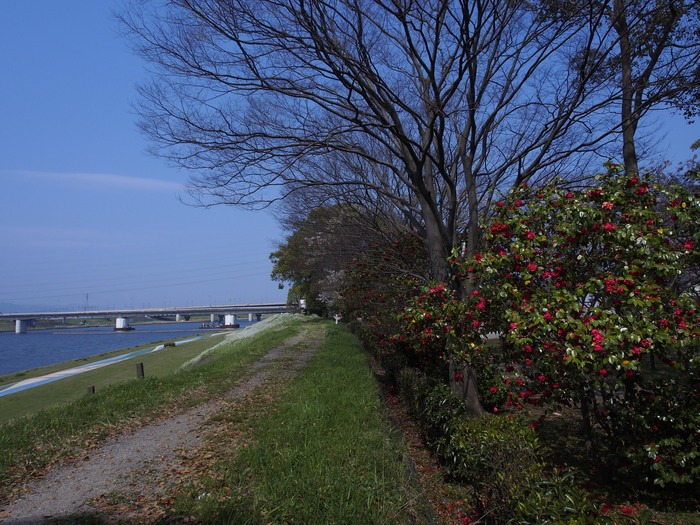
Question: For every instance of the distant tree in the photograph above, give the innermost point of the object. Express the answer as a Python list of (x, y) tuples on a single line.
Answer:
[(378, 285), (313, 257)]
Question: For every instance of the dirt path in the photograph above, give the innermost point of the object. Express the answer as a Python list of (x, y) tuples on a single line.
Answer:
[(143, 467)]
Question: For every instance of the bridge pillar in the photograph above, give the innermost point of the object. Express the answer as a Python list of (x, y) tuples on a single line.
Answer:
[(231, 321), (258, 317), (177, 318), (21, 326), (212, 318), (122, 324), (250, 317)]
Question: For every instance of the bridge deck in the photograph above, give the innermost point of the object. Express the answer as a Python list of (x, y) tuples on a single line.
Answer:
[(240, 309)]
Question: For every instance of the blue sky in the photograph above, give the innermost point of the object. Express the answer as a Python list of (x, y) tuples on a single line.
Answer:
[(87, 217)]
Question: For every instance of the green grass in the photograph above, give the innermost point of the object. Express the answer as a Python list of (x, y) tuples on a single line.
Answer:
[(30, 443), (317, 448), (323, 454)]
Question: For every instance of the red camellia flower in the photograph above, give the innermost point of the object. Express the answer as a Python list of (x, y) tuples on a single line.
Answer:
[(498, 228), (609, 227), (603, 372), (627, 510), (688, 245), (608, 205), (532, 267), (531, 235), (569, 195), (493, 389)]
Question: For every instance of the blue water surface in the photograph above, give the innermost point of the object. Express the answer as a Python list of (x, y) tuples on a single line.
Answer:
[(37, 348)]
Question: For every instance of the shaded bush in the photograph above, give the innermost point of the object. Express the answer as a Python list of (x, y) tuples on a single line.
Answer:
[(498, 456)]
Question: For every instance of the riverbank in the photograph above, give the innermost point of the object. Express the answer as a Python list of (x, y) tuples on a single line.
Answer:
[(156, 360), (284, 426), (74, 322)]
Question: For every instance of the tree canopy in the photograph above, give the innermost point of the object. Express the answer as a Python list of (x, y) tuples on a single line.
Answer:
[(429, 107)]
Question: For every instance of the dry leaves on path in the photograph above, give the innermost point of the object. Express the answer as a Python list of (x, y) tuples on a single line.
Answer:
[(135, 476)]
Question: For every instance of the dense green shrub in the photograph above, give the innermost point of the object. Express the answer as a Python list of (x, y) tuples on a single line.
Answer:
[(558, 500), (587, 288), (498, 456), (655, 438)]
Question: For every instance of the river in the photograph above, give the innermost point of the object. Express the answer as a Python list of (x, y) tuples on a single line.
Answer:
[(37, 348)]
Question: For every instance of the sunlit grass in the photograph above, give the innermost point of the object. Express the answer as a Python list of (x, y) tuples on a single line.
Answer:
[(323, 454), (29, 443)]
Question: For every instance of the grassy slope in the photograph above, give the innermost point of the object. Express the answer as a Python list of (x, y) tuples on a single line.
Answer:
[(30, 443), (157, 364), (320, 449)]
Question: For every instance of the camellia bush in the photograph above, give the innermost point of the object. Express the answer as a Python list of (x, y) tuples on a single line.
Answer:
[(589, 290), (377, 285)]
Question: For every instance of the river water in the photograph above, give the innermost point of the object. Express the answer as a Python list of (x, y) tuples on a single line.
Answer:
[(45, 347)]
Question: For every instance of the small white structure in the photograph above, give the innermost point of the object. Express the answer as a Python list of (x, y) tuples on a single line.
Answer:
[(231, 321), (21, 326), (122, 325)]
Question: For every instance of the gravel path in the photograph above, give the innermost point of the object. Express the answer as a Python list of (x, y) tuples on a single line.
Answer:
[(130, 462)]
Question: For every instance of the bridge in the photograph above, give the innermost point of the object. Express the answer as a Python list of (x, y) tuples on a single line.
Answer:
[(229, 312)]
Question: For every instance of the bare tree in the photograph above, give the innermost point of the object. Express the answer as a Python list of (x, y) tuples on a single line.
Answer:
[(651, 59), (659, 58), (429, 106)]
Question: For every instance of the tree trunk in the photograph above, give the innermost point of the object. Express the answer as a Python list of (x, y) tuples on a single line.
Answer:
[(629, 119), (463, 385)]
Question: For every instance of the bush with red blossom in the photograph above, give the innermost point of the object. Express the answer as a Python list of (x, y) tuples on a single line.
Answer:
[(589, 290)]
